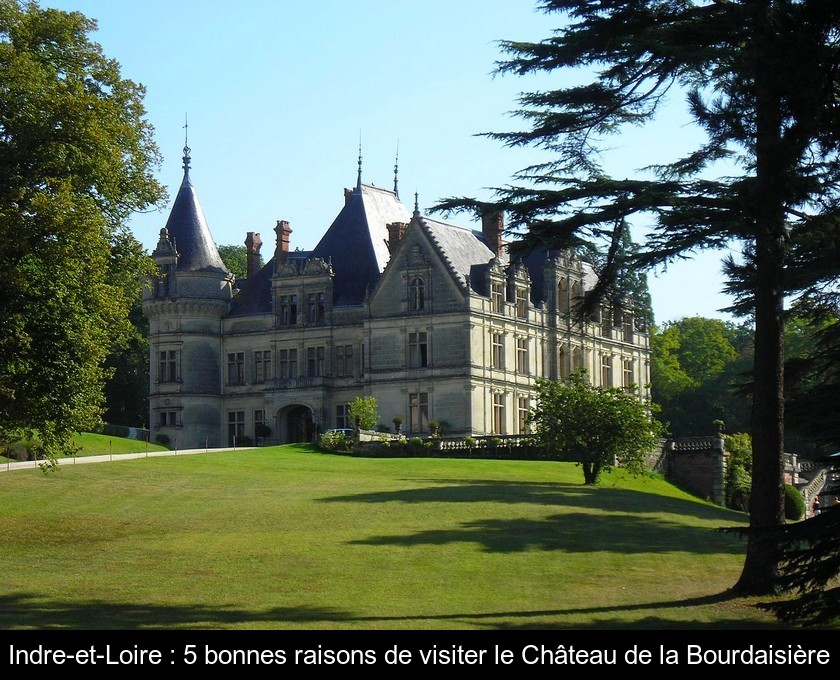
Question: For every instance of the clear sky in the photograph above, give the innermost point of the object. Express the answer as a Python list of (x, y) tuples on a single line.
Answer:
[(278, 94)]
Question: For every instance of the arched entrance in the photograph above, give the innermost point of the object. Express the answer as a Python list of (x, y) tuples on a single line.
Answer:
[(295, 424)]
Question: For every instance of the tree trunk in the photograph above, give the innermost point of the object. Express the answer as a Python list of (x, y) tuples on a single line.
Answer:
[(761, 567)]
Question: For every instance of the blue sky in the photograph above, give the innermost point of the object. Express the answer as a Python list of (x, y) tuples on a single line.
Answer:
[(279, 92)]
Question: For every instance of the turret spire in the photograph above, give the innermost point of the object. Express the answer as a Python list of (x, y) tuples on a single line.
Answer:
[(396, 169), (359, 177), (186, 147)]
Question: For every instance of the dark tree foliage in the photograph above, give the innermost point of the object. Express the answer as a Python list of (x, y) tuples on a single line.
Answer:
[(761, 79), (809, 554), (236, 260), (76, 160)]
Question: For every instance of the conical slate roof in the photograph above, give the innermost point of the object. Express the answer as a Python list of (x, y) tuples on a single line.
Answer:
[(188, 229)]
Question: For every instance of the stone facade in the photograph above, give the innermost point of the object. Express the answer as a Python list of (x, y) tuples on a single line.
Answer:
[(434, 320)]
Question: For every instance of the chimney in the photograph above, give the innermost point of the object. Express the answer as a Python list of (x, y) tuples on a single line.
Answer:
[(396, 231), (348, 194), (281, 252), (493, 226), (253, 243)]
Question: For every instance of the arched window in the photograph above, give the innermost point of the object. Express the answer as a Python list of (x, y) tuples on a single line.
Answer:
[(563, 297), (416, 294)]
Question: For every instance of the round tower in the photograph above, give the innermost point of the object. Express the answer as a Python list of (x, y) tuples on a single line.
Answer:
[(185, 305)]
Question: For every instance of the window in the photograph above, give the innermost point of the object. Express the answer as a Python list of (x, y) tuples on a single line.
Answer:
[(236, 368), (262, 366), (344, 361), (287, 360), (259, 424), (288, 310), (418, 412), (314, 362), (497, 297), (563, 297), (606, 370), (418, 350), (417, 294), (497, 357), (342, 419), (523, 410), (168, 368), (236, 426), (628, 377), (628, 328), (498, 414), (606, 323), (563, 363), (522, 356), (316, 308), (168, 419), (522, 303), (577, 359)]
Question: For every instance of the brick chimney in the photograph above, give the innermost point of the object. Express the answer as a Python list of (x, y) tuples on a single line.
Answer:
[(396, 231), (493, 226), (253, 243), (283, 231)]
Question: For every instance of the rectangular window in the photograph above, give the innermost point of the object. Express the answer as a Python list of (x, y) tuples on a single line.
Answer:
[(606, 323), (523, 406), (418, 350), (288, 310), (262, 366), (344, 361), (497, 297), (418, 412), (168, 369), (497, 356), (522, 356), (315, 361), (168, 419), (498, 414), (628, 377), (315, 308), (522, 303), (236, 426), (606, 370), (341, 417), (236, 368), (259, 424), (628, 328), (287, 363)]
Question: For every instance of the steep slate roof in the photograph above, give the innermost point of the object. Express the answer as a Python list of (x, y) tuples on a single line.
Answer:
[(462, 249), (356, 244), (188, 229)]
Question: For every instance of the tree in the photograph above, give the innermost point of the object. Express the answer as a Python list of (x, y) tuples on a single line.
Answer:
[(362, 411), (699, 371), (236, 260), (76, 159), (597, 427), (761, 81)]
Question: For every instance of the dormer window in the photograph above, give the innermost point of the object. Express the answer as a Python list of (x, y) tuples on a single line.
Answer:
[(497, 297), (316, 308), (417, 294), (521, 302), (288, 310)]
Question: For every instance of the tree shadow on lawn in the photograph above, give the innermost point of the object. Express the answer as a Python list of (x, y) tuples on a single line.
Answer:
[(21, 611), (573, 533), (546, 493)]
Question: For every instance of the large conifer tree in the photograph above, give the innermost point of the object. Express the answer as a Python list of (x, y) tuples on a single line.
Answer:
[(762, 79)]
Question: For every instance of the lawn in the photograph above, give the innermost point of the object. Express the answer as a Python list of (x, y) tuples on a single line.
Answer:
[(286, 537), (90, 444)]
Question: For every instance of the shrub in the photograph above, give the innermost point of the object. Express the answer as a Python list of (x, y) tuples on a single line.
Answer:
[(162, 439), (337, 442), (794, 503), (738, 471), (116, 430)]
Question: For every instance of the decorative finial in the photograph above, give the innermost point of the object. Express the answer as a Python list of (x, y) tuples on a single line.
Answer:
[(416, 205), (186, 145), (359, 177), (396, 169)]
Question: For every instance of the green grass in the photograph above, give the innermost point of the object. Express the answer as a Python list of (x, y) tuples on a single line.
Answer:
[(90, 444), (286, 537), (98, 444)]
